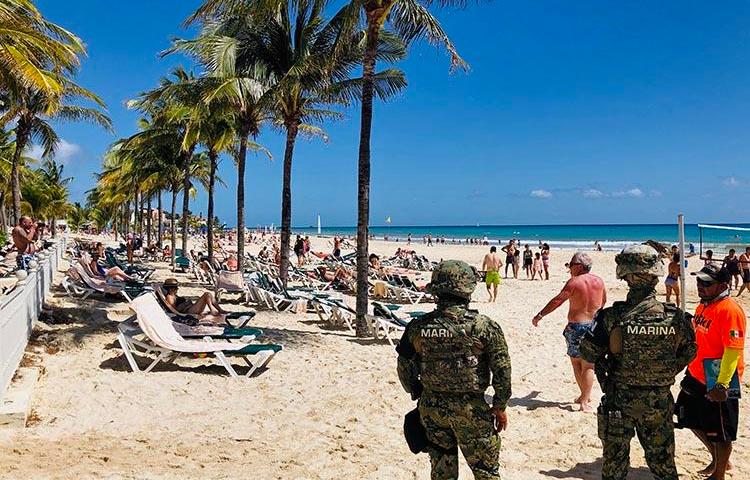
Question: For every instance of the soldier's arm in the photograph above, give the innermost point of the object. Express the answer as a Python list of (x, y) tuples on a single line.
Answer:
[(595, 343), (499, 360), (407, 367), (686, 347)]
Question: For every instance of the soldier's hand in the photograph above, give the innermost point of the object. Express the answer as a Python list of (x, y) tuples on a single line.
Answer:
[(501, 419)]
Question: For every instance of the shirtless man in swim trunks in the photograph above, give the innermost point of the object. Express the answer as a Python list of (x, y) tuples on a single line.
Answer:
[(24, 236), (585, 294), (491, 265)]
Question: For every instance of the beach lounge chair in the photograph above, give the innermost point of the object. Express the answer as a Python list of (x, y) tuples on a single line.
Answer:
[(167, 344), (139, 271), (233, 319), (77, 273), (75, 287), (229, 282)]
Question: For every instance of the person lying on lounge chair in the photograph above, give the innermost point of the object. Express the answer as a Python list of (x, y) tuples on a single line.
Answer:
[(206, 303), (115, 273), (330, 276)]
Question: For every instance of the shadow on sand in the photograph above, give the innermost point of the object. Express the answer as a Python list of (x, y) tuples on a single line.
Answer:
[(531, 402), (593, 471)]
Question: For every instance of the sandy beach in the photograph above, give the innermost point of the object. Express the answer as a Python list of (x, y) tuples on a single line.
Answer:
[(328, 407)]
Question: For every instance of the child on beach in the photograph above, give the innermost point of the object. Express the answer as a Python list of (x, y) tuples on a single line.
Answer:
[(537, 267)]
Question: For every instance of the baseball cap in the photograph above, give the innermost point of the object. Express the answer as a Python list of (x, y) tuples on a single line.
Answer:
[(712, 273)]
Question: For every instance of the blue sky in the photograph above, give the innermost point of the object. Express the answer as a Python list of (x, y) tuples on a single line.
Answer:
[(593, 112)]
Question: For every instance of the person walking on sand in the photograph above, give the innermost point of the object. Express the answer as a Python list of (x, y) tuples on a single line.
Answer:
[(545, 260), (491, 265), (585, 294), (672, 281), (537, 268), (510, 251), (732, 264), (745, 267), (528, 260)]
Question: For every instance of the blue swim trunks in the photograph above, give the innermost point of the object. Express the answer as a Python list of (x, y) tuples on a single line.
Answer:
[(573, 334)]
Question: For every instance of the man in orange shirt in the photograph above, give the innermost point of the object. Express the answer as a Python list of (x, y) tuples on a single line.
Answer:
[(720, 334)]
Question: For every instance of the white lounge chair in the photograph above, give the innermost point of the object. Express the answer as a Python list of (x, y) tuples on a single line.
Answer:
[(167, 344)]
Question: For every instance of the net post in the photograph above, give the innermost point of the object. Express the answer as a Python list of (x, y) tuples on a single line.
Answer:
[(681, 231)]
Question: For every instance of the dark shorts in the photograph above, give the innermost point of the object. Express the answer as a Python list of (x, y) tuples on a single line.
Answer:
[(573, 334), (746, 276), (527, 262), (718, 420)]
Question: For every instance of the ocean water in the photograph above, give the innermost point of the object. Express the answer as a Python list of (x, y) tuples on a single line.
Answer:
[(610, 237)]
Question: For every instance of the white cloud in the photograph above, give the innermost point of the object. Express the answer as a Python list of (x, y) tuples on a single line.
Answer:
[(732, 182), (593, 193), (65, 151), (633, 192), (540, 194)]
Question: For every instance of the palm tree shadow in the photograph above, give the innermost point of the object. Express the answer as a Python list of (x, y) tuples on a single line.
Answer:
[(593, 471), (531, 402)]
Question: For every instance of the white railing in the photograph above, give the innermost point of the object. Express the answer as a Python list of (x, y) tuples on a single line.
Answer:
[(20, 309)]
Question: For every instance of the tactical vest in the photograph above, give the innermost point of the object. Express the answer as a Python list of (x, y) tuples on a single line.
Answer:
[(450, 359), (650, 333)]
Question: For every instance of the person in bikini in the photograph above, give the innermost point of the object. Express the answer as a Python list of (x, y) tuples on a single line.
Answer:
[(585, 294), (672, 282), (491, 264), (205, 304)]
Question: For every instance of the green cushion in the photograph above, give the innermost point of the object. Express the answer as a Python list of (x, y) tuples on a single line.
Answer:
[(242, 332), (255, 348)]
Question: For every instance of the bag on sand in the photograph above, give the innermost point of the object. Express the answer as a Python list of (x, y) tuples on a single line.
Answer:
[(414, 432)]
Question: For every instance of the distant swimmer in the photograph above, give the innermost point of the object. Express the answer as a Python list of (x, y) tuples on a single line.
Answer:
[(491, 265), (585, 294)]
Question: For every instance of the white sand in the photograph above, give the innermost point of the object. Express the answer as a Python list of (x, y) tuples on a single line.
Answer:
[(330, 406)]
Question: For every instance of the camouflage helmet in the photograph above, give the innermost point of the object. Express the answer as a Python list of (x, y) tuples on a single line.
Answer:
[(639, 259), (453, 277)]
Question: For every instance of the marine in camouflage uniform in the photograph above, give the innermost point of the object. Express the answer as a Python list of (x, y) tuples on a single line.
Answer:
[(638, 346), (450, 354)]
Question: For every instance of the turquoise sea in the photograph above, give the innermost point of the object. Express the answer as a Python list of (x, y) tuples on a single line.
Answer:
[(610, 237)]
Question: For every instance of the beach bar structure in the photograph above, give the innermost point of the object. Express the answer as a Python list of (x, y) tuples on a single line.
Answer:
[(20, 309)]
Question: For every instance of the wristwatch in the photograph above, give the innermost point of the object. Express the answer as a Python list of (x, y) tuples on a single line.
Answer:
[(721, 386)]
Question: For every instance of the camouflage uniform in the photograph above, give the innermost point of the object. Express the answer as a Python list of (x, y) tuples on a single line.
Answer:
[(638, 346), (450, 353)]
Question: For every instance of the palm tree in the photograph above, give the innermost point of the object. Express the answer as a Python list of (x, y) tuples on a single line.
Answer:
[(34, 110), (411, 21), (239, 80), (33, 51), (78, 216), (56, 185)]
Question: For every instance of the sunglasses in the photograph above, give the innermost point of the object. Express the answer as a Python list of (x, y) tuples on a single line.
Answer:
[(705, 283)]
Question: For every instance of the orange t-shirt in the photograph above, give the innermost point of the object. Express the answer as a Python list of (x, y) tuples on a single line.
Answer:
[(718, 326)]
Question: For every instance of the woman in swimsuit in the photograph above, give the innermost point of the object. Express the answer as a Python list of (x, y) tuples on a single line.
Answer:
[(673, 276), (545, 260), (510, 250), (528, 260), (732, 264)]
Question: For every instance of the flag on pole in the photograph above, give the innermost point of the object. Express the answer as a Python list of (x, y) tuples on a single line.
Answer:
[(388, 220)]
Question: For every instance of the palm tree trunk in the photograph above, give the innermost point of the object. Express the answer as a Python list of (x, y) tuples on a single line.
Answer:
[(173, 228), (241, 198), (363, 183), (186, 199), (141, 207), (214, 161), (126, 219), (22, 138), (3, 217), (158, 220), (148, 223), (286, 201)]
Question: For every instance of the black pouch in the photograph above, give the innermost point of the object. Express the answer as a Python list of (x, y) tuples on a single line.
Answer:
[(414, 432), (601, 422)]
